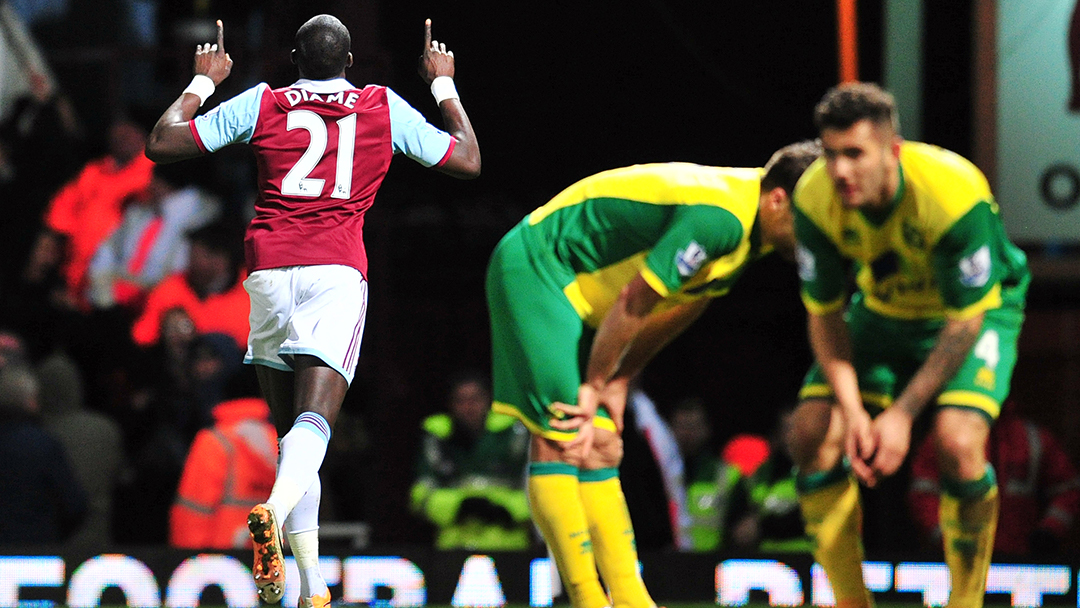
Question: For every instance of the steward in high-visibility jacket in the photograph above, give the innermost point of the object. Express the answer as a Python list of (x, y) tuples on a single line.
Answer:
[(230, 468), (473, 488)]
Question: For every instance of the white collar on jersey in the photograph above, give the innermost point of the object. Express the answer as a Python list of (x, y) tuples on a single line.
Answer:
[(323, 86)]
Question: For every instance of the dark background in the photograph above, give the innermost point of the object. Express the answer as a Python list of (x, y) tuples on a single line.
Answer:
[(556, 91)]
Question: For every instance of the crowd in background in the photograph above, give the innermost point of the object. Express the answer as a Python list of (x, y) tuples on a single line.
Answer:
[(123, 322)]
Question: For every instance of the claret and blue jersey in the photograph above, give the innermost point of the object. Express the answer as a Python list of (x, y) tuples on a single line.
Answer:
[(323, 148)]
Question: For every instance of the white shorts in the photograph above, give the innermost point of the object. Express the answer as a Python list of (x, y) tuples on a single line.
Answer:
[(307, 310)]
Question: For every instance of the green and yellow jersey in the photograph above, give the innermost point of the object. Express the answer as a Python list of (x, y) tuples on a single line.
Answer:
[(939, 251), (688, 229)]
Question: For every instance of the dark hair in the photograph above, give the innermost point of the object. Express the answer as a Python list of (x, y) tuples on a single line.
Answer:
[(221, 237), (462, 377), (848, 103), (788, 163), (322, 47)]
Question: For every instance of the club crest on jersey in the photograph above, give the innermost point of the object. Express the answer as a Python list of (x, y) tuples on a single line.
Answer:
[(975, 268), (689, 260), (804, 260), (912, 237), (850, 236)]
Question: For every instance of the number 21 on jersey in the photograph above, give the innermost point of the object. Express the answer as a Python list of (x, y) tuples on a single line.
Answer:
[(296, 181)]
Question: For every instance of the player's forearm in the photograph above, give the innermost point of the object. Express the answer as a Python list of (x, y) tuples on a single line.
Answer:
[(831, 345), (659, 330), (611, 344), (464, 162), (171, 138), (953, 345)]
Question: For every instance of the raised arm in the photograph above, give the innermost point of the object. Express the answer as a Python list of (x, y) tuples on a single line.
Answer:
[(171, 139), (437, 70)]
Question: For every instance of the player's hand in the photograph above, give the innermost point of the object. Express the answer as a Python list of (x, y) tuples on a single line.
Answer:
[(435, 60), (578, 418), (613, 398), (211, 59), (860, 443), (893, 430)]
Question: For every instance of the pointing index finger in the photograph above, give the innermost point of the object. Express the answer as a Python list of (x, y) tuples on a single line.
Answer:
[(427, 34), (220, 37)]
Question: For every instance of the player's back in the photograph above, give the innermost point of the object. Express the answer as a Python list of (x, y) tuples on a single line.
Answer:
[(686, 228), (615, 214), (323, 149)]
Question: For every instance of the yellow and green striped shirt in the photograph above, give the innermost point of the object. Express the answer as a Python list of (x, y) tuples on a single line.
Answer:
[(688, 229), (939, 251)]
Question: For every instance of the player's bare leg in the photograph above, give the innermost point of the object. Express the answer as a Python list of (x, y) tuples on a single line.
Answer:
[(829, 498), (969, 502)]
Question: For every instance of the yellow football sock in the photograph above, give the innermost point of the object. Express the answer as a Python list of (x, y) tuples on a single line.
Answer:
[(613, 537), (969, 512), (557, 511), (832, 511)]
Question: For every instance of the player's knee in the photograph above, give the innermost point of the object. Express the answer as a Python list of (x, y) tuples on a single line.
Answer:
[(807, 433), (607, 451), (961, 442)]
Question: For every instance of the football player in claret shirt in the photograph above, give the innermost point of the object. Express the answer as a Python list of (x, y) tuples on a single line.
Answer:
[(934, 318), (582, 293), (322, 147)]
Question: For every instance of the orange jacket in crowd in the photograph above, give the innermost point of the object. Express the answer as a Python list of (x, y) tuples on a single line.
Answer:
[(229, 469), (225, 312), (89, 207)]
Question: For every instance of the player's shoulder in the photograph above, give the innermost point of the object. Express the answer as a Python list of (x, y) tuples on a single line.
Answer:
[(813, 185), (815, 196), (942, 177)]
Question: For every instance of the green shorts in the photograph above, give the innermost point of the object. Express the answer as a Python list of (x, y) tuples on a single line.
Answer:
[(539, 344), (887, 352)]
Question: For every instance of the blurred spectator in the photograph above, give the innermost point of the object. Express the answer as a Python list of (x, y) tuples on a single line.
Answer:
[(12, 349), (211, 290), (92, 440), (89, 207), (39, 150), (41, 500), (229, 469), (1038, 484), (162, 371), (770, 521), (652, 476), (34, 299), (470, 480), (348, 469), (746, 452), (150, 243), (160, 433), (710, 481)]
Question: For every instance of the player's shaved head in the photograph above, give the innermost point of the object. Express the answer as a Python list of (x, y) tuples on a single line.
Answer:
[(848, 103), (322, 48)]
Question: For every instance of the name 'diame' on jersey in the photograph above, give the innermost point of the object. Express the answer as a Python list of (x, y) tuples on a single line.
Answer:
[(295, 96)]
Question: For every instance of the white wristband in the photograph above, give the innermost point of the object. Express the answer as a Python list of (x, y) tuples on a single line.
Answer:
[(443, 88), (202, 87)]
